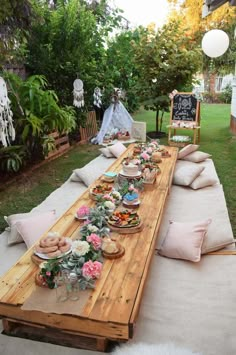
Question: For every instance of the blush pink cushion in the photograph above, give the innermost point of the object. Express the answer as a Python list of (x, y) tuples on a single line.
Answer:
[(184, 240), (190, 148), (33, 227), (117, 149)]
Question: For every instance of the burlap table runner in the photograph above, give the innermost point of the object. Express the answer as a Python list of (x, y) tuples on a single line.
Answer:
[(45, 300)]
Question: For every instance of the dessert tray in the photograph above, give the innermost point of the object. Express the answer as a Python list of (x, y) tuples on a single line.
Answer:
[(125, 221), (120, 250), (45, 257), (99, 190), (38, 258)]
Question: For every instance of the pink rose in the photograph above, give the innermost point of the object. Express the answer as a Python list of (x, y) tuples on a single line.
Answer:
[(91, 270), (108, 197), (83, 211), (145, 156), (95, 240), (149, 150), (48, 273)]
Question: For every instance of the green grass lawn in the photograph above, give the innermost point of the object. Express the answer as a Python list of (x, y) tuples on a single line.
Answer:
[(217, 140), (31, 189)]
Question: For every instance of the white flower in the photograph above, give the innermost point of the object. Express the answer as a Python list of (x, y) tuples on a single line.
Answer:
[(80, 247), (109, 205), (92, 228), (116, 195)]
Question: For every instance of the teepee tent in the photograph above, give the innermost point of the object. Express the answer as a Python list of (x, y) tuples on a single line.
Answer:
[(116, 118)]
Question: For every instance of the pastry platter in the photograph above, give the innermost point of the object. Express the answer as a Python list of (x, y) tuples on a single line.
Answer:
[(99, 190), (125, 221), (118, 254)]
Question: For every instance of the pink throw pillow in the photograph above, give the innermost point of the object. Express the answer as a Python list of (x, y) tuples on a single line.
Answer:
[(33, 227), (184, 240)]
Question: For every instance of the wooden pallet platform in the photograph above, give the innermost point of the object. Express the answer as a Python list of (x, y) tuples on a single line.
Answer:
[(90, 128), (111, 311), (61, 143)]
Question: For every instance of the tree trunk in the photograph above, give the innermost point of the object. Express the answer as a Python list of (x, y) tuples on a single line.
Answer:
[(157, 121)]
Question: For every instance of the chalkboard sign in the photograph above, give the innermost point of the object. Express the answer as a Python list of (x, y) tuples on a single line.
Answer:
[(185, 107)]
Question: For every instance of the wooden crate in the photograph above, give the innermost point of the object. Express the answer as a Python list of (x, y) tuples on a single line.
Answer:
[(90, 128), (61, 143)]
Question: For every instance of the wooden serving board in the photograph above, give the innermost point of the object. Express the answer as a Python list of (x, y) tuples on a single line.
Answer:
[(129, 230), (116, 255), (37, 260)]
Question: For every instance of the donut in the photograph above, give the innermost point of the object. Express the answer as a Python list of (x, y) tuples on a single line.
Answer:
[(39, 249), (65, 247), (47, 250), (62, 241), (49, 242), (54, 254)]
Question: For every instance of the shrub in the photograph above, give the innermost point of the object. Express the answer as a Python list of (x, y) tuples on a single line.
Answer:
[(226, 95)]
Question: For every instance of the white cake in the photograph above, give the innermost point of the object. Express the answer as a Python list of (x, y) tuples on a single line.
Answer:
[(130, 169)]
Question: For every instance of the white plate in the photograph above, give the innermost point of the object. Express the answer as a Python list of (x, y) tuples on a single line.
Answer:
[(134, 205), (125, 174), (45, 257)]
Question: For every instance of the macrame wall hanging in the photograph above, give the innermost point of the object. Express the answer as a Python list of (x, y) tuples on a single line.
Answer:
[(97, 97), (7, 131), (78, 93)]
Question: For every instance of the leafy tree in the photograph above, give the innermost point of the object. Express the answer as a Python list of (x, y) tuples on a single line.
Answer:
[(70, 41), (166, 60), (121, 65), (222, 18), (15, 21)]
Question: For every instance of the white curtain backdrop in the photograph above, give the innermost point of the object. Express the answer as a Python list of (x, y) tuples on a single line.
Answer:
[(115, 116)]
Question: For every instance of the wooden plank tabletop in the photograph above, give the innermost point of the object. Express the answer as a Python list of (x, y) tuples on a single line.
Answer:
[(113, 306)]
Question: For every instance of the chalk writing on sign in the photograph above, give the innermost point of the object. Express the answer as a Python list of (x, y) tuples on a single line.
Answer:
[(184, 107)]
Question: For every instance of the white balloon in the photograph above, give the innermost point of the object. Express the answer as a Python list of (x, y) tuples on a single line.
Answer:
[(215, 43)]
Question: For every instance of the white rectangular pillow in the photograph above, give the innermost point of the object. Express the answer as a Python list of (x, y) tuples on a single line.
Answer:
[(187, 150), (197, 157), (31, 228), (117, 149), (186, 172), (203, 180), (14, 236), (106, 152)]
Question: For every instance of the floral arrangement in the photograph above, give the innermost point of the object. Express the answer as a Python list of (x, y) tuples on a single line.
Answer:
[(85, 260), (82, 212), (106, 201), (145, 156), (48, 271), (116, 196)]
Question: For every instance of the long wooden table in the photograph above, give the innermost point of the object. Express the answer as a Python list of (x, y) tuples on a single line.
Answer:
[(111, 311)]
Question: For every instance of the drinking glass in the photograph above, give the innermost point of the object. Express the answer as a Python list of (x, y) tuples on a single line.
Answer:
[(73, 287), (61, 285)]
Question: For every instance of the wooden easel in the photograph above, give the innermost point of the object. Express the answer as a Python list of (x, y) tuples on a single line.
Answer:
[(184, 115)]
